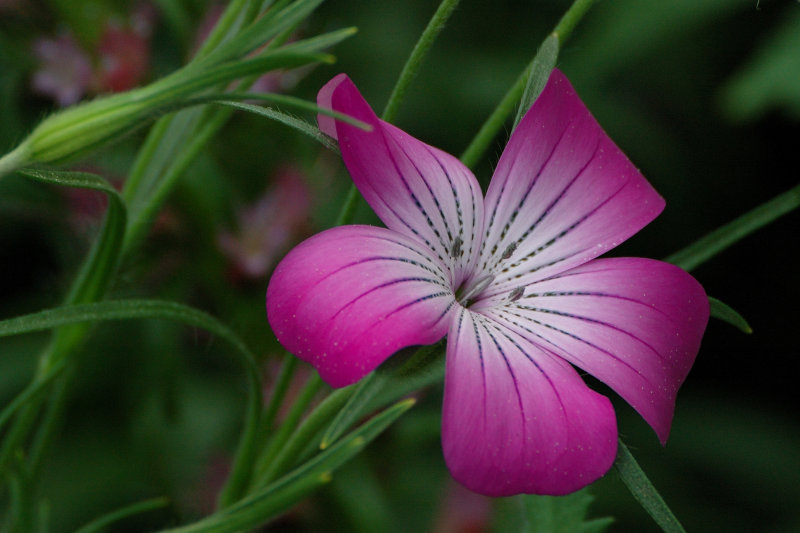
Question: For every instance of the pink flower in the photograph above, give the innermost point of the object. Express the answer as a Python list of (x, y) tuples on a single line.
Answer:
[(512, 279), (123, 58), (65, 70), (269, 227)]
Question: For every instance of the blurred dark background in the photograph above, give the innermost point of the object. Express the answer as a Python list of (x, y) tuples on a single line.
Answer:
[(703, 96)]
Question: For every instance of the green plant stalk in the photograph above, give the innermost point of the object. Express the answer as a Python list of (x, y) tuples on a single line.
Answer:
[(100, 524), (14, 159), (721, 238), (421, 49), (279, 392), (289, 424), (78, 130), (570, 19), (487, 133)]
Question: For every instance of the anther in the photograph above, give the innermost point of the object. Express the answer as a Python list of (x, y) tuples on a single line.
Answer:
[(456, 251), (476, 289), (516, 294), (509, 250)]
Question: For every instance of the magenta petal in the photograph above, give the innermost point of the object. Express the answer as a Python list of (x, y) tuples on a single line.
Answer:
[(415, 189), (348, 298), (517, 419), (562, 193), (635, 324)]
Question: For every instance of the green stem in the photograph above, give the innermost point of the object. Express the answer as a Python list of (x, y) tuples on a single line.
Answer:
[(13, 160), (494, 123), (497, 119), (279, 392), (721, 238), (290, 423), (407, 75), (571, 18), (409, 72)]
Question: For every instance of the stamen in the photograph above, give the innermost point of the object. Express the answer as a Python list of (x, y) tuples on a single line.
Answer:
[(456, 251), (476, 289), (516, 294), (509, 250)]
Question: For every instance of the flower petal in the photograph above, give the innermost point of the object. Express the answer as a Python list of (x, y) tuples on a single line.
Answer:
[(635, 324), (414, 188), (349, 297), (562, 193), (518, 419)]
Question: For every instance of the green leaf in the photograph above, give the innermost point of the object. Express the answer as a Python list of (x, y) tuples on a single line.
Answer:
[(724, 312), (542, 65), (477, 147), (101, 265), (549, 514), (293, 122), (402, 373), (718, 240), (269, 25), (104, 521), (320, 42), (644, 491), (128, 309), (286, 491)]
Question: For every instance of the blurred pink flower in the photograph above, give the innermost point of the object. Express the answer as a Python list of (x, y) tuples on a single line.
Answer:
[(269, 227), (119, 62), (463, 511), (65, 70), (124, 52)]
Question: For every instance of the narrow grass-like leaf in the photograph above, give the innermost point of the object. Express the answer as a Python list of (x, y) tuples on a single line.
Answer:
[(644, 491), (293, 122), (283, 99), (265, 466), (401, 374), (486, 134), (104, 521), (718, 240), (542, 65), (280, 495), (424, 44), (320, 42), (129, 309), (185, 82), (303, 443), (725, 312), (274, 21), (103, 260)]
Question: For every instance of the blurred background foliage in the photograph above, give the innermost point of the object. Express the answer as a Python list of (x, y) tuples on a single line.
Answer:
[(703, 96)]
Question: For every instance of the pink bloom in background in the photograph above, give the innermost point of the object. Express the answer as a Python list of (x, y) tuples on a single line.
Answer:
[(120, 60), (267, 228), (65, 70), (124, 52), (512, 279)]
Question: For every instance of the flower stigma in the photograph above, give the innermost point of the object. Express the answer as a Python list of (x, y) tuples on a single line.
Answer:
[(467, 292)]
